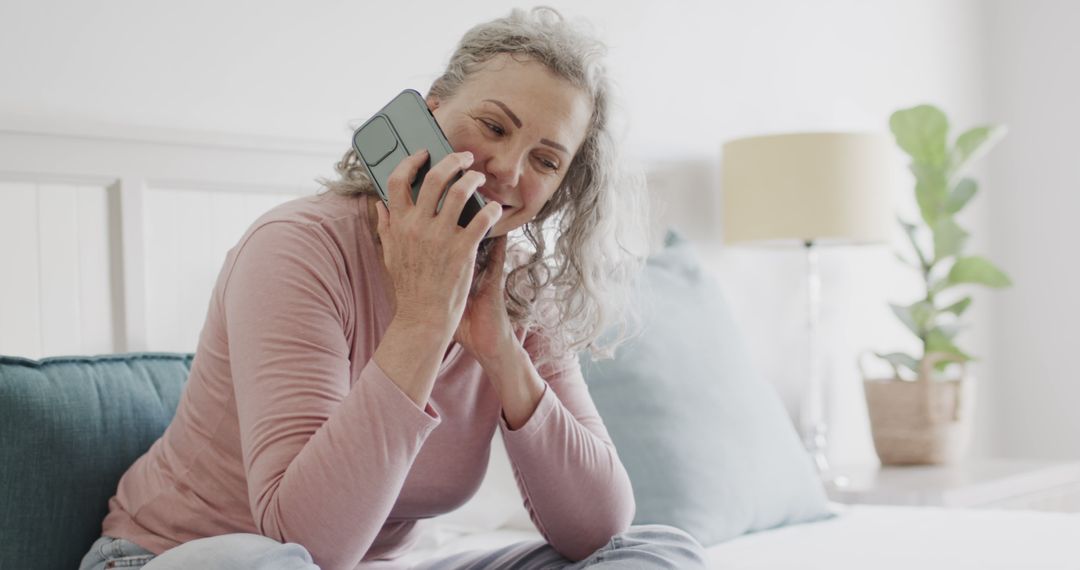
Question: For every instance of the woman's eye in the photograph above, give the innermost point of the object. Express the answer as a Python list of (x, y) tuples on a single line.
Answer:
[(494, 128), (548, 164)]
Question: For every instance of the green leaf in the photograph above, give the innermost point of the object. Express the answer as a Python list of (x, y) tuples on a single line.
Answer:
[(951, 330), (925, 171), (958, 307), (938, 341), (921, 131), (904, 314), (942, 364), (917, 316), (949, 239), (924, 314), (961, 194), (977, 270), (900, 257), (910, 230), (973, 144), (931, 192), (936, 286), (899, 359)]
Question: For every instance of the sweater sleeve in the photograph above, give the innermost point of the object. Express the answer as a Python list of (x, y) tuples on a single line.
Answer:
[(575, 488), (325, 458)]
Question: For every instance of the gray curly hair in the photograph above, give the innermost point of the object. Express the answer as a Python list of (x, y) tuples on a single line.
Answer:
[(590, 274)]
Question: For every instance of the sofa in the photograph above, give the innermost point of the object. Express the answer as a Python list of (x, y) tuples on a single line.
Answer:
[(70, 428)]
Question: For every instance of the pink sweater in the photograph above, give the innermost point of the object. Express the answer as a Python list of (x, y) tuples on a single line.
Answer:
[(287, 427)]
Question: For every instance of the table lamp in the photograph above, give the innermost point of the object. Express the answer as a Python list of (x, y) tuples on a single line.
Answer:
[(809, 189)]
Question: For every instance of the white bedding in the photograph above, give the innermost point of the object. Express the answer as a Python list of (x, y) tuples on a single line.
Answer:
[(860, 537), (885, 538)]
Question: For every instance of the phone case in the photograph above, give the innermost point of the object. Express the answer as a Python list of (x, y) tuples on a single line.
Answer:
[(404, 126)]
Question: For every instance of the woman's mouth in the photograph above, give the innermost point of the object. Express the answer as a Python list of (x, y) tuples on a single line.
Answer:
[(487, 196)]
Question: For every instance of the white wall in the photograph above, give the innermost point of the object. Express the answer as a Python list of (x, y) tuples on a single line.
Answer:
[(692, 75), (693, 72), (1034, 195)]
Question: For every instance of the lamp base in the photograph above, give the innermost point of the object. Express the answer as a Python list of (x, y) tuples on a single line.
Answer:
[(814, 417), (816, 444)]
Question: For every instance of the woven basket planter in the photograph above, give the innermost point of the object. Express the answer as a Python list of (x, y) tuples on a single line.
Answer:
[(922, 421)]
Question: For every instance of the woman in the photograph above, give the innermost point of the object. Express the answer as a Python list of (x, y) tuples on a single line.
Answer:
[(356, 359)]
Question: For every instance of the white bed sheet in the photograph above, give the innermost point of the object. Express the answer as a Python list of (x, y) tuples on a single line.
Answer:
[(860, 537), (887, 538)]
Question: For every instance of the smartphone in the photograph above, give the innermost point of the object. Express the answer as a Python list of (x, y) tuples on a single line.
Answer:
[(404, 126)]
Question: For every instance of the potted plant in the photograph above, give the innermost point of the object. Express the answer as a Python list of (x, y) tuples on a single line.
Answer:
[(922, 413)]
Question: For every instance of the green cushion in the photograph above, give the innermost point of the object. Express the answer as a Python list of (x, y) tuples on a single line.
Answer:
[(69, 429)]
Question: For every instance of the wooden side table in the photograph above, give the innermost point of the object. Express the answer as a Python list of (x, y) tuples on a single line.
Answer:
[(987, 483)]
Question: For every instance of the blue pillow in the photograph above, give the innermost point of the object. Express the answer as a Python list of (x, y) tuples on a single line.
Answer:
[(709, 446)]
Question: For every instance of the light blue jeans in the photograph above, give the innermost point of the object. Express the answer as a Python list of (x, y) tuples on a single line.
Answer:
[(642, 546)]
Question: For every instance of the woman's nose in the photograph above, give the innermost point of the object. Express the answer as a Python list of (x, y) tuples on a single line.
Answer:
[(506, 168)]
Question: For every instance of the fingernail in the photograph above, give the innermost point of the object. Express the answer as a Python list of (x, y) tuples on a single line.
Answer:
[(468, 156)]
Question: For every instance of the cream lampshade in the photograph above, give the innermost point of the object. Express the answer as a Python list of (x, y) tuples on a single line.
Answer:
[(824, 187), (810, 189)]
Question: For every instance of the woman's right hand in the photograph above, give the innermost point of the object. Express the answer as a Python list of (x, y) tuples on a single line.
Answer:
[(429, 257)]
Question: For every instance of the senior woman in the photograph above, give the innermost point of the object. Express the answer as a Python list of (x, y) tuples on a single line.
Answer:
[(357, 359)]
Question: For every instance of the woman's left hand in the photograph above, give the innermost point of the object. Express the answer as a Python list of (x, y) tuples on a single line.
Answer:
[(485, 329)]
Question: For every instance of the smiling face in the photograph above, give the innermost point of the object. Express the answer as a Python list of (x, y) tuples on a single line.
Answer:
[(523, 125)]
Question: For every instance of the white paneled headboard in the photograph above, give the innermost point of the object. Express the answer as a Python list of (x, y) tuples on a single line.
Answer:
[(111, 242)]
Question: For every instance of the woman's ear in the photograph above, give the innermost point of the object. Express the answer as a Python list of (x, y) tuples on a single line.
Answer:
[(432, 102)]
